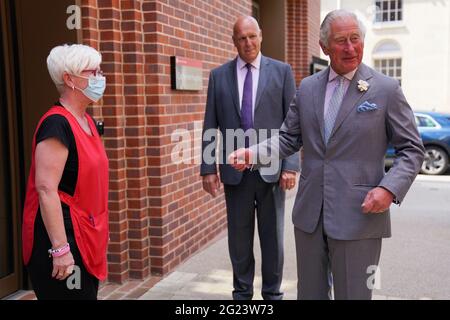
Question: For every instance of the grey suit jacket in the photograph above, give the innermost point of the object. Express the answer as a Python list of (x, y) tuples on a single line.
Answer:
[(339, 175), (276, 90)]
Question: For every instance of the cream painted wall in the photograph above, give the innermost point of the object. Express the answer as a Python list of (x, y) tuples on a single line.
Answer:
[(424, 39)]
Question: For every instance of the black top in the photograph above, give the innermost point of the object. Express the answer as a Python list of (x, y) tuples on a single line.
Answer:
[(57, 126)]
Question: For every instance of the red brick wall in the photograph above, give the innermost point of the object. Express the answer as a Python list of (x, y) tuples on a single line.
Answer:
[(159, 214), (303, 23), (183, 218), (313, 29)]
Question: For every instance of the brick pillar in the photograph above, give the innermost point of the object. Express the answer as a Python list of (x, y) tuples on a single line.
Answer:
[(104, 33), (90, 37), (303, 21), (135, 137), (114, 111)]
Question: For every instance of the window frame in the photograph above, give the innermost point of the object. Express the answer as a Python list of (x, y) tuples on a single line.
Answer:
[(429, 118), (380, 11), (388, 67)]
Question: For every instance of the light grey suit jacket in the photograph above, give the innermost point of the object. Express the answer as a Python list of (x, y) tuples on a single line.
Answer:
[(276, 90), (339, 175)]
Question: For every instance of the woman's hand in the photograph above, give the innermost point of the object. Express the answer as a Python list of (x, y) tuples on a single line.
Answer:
[(63, 266)]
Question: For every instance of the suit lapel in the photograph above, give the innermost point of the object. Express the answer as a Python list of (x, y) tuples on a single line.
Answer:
[(319, 98), (352, 96), (264, 73), (233, 85)]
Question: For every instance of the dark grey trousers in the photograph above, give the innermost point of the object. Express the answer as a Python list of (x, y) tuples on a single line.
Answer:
[(254, 196), (323, 262)]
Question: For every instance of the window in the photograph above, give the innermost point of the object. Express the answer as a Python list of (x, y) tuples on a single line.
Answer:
[(387, 59), (425, 122), (390, 67), (388, 10)]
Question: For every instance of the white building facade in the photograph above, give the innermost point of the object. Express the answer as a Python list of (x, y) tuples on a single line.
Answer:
[(408, 40)]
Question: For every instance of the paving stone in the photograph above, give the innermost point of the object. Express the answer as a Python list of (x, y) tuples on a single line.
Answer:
[(137, 293), (156, 295)]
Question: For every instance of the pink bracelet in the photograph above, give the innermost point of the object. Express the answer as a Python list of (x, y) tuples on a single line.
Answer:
[(59, 252)]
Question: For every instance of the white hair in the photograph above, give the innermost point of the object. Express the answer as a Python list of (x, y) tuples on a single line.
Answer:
[(72, 59), (335, 15)]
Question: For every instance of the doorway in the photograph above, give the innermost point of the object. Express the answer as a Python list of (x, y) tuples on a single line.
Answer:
[(271, 16), (9, 226), (29, 29)]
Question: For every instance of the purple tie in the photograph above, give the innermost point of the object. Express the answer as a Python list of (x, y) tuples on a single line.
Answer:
[(247, 98)]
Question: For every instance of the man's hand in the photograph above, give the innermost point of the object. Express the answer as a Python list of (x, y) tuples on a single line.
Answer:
[(377, 200), (241, 159), (211, 184), (288, 180)]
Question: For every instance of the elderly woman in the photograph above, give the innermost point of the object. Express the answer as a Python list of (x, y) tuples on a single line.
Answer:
[(65, 222)]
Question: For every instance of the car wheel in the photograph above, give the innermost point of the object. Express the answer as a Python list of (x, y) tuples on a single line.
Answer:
[(435, 161)]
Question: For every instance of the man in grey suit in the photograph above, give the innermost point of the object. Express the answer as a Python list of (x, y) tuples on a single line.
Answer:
[(344, 117), (250, 94)]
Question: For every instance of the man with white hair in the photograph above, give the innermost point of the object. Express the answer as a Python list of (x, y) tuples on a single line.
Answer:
[(344, 117)]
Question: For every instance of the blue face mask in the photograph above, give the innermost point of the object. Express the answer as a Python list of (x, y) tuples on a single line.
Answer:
[(95, 89)]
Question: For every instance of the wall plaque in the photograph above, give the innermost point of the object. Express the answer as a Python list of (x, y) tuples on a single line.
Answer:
[(187, 74)]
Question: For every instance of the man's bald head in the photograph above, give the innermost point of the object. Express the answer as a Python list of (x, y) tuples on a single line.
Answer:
[(244, 20), (247, 38)]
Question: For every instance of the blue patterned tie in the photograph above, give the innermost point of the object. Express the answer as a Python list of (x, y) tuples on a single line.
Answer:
[(333, 107), (247, 100)]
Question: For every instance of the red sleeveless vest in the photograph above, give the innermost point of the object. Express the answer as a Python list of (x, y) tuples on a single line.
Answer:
[(88, 206)]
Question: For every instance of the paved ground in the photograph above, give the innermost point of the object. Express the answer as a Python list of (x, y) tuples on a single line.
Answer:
[(130, 290), (414, 263), (208, 274)]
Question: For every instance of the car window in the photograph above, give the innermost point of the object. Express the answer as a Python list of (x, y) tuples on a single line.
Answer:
[(443, 121), (417, 121), (425, 122)]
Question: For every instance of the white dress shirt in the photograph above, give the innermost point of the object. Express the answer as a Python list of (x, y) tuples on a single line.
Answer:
[(241, 71)]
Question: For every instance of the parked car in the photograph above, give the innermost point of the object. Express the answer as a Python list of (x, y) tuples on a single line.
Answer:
[(434, 129)]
